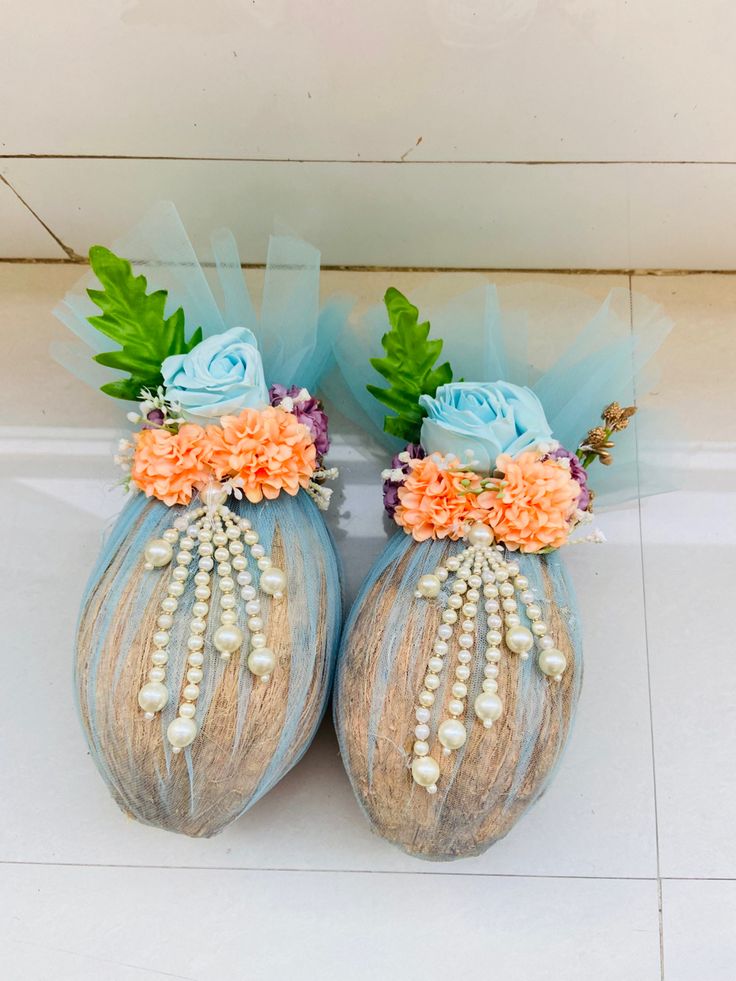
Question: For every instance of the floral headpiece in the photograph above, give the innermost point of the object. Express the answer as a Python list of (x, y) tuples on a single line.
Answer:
[(479, 453), (481, 464)]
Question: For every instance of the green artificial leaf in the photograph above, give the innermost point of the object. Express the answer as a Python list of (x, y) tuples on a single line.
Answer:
[(135, 320), (408, 367)]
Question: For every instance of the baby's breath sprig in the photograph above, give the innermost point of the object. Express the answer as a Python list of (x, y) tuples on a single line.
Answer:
[(598, 442), (157, 412)]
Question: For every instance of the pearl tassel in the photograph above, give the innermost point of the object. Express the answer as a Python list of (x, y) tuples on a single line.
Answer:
[(479, 565), (221, 537)]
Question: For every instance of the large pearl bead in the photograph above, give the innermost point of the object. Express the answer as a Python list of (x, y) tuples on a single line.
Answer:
[(488, 707), (158, 552), (273, 581), (212, 496), (452, 734), (552, 662), (425, 770), (262, 661), (519, 639), (480, 535), (153, 696), (429, 585), (228, 638), (181, 732)]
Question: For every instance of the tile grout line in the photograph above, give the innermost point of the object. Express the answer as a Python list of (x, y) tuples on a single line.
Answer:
[(327, 871), (70, 253), (649, 671)]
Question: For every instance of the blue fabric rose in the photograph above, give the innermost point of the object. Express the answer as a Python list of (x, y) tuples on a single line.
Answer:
[(221, 375), (485, 419)]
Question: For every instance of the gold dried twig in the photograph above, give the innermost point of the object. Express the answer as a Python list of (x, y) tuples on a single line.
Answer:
[(598, 442)]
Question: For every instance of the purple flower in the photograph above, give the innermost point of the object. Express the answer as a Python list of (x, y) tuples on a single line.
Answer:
[(391, 487), (155, 418), (308, 411), (577, 472)]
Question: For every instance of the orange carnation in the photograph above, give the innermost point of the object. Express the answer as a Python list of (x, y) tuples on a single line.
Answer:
[(434, 503), (170, 466), (535, 501), (265, 451)]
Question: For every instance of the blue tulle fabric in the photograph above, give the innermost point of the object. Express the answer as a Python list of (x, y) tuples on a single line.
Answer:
[(492, 333), (295, 333)]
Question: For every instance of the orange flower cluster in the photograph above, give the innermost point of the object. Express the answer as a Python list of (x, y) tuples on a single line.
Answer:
[(533, 506), (530, 508), (263, 451), (434, 502)]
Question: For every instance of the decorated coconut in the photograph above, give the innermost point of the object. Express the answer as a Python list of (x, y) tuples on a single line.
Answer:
[(209, 626), (461, 662)]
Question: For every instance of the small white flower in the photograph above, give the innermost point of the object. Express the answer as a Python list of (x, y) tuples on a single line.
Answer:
[(404, 456), (397, 475), (287, 404), (303, 396), (133, 417)]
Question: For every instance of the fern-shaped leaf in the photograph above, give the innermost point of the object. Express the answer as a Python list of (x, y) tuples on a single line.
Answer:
[(408, 367), (136, 321)]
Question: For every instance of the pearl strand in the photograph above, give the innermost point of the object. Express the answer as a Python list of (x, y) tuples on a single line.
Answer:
[(481, 564), (219, 536)]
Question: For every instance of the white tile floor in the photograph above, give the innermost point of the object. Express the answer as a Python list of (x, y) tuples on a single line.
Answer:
[(640, 818)]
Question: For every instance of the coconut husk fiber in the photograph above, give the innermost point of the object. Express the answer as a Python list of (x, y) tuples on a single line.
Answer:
[(485, 787), (250, 734)]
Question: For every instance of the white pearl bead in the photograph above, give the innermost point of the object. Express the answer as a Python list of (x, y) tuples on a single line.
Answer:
[(255, 624), (187, 710), (202, 592), (512, 620), (435, 664), (200, 609), (201, 579), (421, 731), (466, 640), (429, 586), (449, 616), (219, 538), (539, 628), (444, 631), (253, 607), (258, 640), (455, 601), (546, 643), (519, 639), (262, 661), (158, 552), (422, 715), (455, 706), (425, 770), (212, 497), (227, 601), (191, 692), (462, 672), (480, 536), (452, 734), (421, 748), (159, 658), (490, 684), (194, 675), (161, 638), (491, 670), (195, 643), (488, 707), (257, 551), (459, 587), (228, 638), (459, 690), (527, 596), (494, 638), (426, 698), (533, 611), (238, 563), (475, 581), (470, 610), (441, 573), (493, 654), (441, 648), (181, 732), (273, 581), (157, 674), (432, 682), (506, 589), (464, 656), (453, 563), (552, 662), (169, 604), (195, 659), (521, 583), (153, 696), (165, 621)]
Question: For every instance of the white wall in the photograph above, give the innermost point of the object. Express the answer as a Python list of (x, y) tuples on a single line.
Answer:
[(505, 133)]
